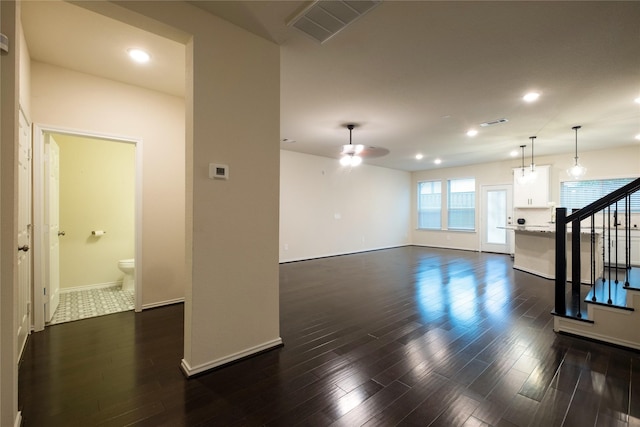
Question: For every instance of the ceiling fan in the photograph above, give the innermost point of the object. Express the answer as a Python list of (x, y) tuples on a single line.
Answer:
[(352, 154)]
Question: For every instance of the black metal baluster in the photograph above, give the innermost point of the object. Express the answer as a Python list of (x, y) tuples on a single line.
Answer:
[(627, 236), (575, 267), (593, 258), (604, 242), (561, 261), (615, 226), (609, 244)]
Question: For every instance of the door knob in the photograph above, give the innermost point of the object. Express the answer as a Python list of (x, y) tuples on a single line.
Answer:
[(61, 233), (24, 248)]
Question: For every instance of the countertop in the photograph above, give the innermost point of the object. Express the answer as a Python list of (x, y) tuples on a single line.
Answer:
[(551, 228)]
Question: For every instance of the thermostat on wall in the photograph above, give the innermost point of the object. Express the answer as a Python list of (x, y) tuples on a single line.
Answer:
[(217, 171)]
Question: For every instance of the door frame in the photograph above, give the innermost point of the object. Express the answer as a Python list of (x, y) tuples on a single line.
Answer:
[(483, 219), (25, 272), (39, 260)]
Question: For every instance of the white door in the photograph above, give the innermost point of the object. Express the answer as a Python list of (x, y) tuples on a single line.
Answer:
[(497, 214), (24, 233), (52, 226)]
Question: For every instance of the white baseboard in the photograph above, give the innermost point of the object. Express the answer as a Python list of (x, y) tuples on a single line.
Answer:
[(162, 303), (455, 248), (534, 272), (190, 371), (332, 254), (18, 421), (90, 287), (582, 330)]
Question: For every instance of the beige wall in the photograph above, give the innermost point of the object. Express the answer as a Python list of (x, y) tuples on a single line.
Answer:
[(25, 76), (327, 209), (610, 163), (97, 192), (77, 101), (9, 83)]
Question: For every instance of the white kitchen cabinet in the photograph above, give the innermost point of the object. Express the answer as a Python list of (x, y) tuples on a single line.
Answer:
[(616, 246), (532, 194)]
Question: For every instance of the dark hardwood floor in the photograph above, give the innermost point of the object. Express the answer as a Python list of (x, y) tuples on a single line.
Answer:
[(406, 336)]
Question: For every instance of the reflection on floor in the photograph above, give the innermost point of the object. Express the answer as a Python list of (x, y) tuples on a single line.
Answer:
[(92, 303)]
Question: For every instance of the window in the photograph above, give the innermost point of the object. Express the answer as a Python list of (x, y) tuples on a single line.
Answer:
[(578, 194), (429, 205), (461, 204)]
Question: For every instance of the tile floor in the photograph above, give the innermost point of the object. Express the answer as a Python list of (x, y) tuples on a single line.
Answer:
[(92, 303)]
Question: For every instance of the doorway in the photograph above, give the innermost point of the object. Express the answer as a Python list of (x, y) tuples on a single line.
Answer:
[(497, 214), (98, 228)]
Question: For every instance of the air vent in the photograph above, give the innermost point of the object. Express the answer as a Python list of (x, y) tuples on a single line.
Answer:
[(325, 18), (494, 122)]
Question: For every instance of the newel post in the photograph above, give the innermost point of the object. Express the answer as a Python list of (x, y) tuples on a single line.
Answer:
[(561, 260)]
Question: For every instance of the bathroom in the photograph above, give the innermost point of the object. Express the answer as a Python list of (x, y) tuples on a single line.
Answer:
[(96, 226)]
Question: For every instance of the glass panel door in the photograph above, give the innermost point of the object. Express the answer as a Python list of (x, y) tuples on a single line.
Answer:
[(496, 216)]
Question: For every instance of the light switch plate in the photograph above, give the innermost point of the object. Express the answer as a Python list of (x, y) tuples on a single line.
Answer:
[(218, 171)]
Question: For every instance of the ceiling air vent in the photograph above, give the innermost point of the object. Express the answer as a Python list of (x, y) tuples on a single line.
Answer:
[(325, 18), (494, 122)]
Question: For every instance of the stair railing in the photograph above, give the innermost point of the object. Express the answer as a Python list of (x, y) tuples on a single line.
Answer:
[(603, 205)]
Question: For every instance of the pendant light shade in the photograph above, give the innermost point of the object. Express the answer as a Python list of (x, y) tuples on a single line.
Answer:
[(350, 152), (523, 176), (576, 171), (532, 173)]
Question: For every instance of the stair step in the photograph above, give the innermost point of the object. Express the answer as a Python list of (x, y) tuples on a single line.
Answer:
[(609, 293)]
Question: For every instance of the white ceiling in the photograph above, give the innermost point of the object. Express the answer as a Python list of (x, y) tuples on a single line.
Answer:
[(415, 75)]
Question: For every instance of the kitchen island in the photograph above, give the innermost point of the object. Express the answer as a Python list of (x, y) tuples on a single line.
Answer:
[(535, 252)]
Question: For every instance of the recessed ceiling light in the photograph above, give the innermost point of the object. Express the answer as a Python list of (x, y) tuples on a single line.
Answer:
[(419, 156), (637, 100), (437, 161), (139, 55), (472, 132), (531, 96), (514, 153), (638, 137)]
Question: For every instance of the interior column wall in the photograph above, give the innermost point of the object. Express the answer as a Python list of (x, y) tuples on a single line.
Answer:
[(9, 98), (233, 118)]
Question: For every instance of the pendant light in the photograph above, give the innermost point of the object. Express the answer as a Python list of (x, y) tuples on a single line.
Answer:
[(576, 171), (523, 178), (532, 174), (350, 152)]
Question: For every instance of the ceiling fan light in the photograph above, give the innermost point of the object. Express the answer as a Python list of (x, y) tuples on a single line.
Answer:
[(350, 160), (352, 148)]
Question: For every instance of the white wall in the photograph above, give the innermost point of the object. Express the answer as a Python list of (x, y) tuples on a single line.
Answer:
[(609, 163), (97, 192), (327, 209), (68, 99)]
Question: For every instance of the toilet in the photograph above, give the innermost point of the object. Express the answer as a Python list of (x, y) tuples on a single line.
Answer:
[(127, 266)]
